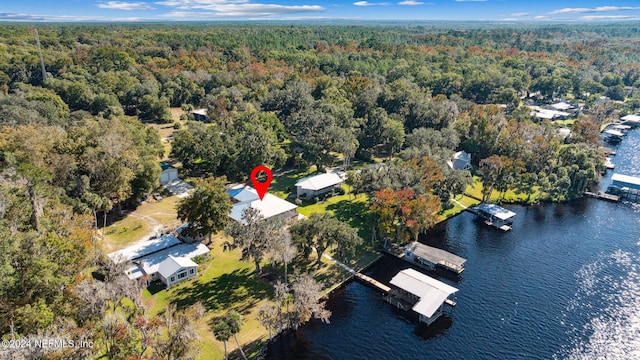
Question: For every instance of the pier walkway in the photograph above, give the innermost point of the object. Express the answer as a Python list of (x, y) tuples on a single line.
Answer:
[(362, 277)]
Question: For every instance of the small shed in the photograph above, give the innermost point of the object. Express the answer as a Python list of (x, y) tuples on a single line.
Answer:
[(426, 295), (200, 115), (317, 185), (168, 174), (175, 269), (460, 161)]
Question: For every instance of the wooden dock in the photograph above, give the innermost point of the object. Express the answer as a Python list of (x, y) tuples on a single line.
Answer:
[(603, 196), (372, 282)]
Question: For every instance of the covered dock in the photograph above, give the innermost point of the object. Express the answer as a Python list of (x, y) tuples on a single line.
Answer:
[(494, 215), (430, 257), (421, 293)]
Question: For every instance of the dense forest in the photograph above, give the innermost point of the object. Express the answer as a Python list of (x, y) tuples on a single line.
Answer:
[(74, 144)]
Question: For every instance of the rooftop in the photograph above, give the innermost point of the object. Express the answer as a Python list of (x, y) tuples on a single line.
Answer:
[(435, 255), (626, 179), (496, 211), (202, 112), (151, 263), (172, 264), (432, 293), (318, 182), (144, 248), (246, 196), (166, 165), (633, 118)]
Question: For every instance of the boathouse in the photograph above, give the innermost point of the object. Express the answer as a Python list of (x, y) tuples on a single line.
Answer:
[(421, 293), (432, 258), (626, 181), (494, 215)]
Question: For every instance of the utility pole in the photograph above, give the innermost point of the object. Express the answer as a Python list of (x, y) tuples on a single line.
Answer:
[(44, 72)]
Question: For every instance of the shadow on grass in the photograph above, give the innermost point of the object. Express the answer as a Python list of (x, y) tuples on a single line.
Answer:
[(354, 214), (239, 290), (155, 287)]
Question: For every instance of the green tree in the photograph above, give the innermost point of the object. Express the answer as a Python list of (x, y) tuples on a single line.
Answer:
[(321, 231), (207, 208), (222, 332)]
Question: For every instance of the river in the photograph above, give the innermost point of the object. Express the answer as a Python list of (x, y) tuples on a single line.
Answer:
[(564, 283)]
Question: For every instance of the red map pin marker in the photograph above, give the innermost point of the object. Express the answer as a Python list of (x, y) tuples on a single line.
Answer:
[(261, 179)]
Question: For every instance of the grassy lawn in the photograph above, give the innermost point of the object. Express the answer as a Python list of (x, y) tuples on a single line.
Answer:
[(509, 196), (224, 283), (283, 186), (456, 209), (144, 221)]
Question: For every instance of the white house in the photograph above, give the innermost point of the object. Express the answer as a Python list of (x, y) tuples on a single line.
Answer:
[(243, 197), (175, 269), (315, 185), (426, 295), (460, 161), (168, 174)]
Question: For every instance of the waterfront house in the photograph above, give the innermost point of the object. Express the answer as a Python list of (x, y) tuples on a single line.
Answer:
[(243, 197), (422, 294), (310, 186)]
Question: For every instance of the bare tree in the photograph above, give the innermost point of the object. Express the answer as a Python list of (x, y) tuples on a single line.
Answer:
[(282, 250), (307, 304)]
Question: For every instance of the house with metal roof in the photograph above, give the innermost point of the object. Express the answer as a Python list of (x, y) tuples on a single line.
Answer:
[(310, 186), (175, 269), (460, 161), (243, 197), (422, 294)]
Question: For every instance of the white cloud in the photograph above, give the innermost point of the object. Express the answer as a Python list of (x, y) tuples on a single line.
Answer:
[(52, 18), (121, 5), (244, 10), (608, 17), (363, 3), (520, 14), (542, 17), (592, 10), (410, 2)]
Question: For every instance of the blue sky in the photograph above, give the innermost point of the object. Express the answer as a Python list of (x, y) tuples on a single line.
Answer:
[(186, 10)]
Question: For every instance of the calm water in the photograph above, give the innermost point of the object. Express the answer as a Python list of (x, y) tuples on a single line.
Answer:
[(564, 283)]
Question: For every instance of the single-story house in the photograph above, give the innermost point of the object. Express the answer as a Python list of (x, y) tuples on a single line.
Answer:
[(168, 174), (425, 295), (243, 196), (175, 269), (148, 257), (200, 115), (460, 161), (563, 106), (315, 185)]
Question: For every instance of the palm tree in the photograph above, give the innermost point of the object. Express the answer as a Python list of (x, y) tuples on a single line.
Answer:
[(222, 332), (234, 321)]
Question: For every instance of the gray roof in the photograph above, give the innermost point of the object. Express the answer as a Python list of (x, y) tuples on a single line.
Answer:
[(171, 265), (496, 211), (460, 160), (145, 248), (432, 293), (435, 255), (319, 182), (151, 263)]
